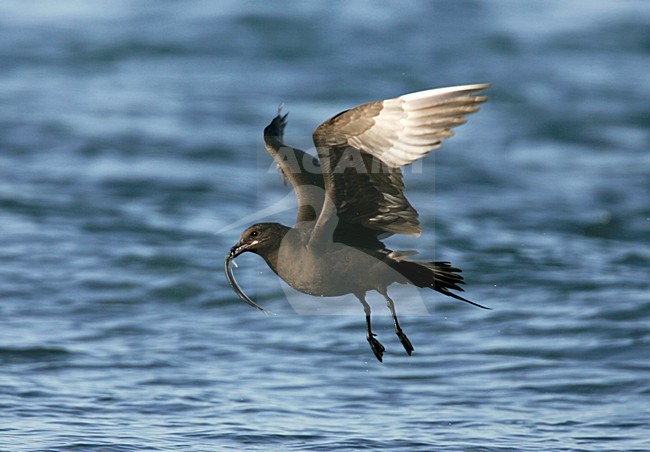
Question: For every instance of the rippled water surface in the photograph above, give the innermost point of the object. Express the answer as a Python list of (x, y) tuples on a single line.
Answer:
[(130, 142)]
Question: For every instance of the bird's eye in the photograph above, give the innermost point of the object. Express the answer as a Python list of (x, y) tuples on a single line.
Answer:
[(254, 234)]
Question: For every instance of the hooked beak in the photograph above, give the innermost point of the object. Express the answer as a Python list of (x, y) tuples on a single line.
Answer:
[(240, 248)]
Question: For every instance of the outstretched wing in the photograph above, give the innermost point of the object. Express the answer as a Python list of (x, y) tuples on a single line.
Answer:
[(299, 168), (362, 150)]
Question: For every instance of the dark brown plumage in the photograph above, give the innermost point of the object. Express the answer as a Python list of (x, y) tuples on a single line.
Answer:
[(352, 198)]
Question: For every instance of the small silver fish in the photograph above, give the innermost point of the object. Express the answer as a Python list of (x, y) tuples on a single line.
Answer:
[(233, 283)]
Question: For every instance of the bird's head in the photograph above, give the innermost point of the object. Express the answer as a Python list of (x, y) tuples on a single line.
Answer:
[(261, 238)]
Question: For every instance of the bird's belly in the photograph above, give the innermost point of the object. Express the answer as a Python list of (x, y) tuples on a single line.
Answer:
[(331, 274), (310, 276)]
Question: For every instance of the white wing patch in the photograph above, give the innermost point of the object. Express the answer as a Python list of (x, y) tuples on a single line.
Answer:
[(410, 126)]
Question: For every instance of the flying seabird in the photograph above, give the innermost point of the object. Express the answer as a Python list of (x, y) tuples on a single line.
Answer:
[(352, 197)]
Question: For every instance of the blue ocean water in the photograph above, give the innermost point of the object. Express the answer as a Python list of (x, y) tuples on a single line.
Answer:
[(130, 143)]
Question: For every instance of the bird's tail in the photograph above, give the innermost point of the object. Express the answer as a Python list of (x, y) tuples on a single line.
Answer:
[(439, 276)]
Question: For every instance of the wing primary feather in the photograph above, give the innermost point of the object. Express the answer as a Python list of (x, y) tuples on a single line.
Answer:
[(394, 133), (307, 183)]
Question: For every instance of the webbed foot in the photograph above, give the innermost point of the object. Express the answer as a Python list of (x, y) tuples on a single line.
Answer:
[(376, 347), (405, 341)]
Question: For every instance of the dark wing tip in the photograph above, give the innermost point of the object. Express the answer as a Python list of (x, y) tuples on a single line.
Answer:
[(282, 118), (278, 123)]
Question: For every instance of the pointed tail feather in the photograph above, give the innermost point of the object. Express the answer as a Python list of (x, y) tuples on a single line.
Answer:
[(439, 276)]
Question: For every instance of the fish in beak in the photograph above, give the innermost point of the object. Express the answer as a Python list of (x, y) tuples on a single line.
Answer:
[(235, 251)]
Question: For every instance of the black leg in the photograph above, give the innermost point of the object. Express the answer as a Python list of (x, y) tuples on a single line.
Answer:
[(398, 330), (375, 345)]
